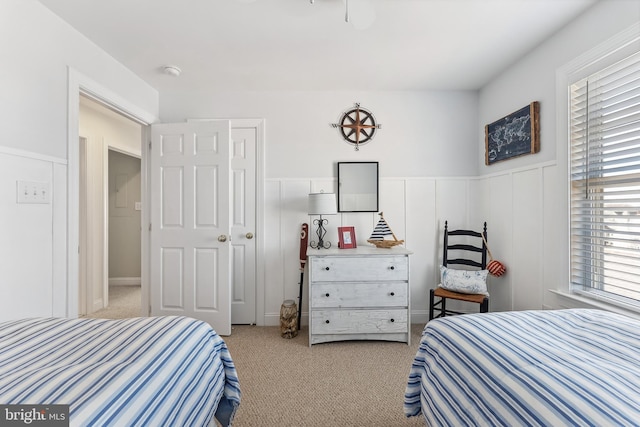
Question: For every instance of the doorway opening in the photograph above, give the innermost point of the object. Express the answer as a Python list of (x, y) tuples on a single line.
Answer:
[(110, 204), (81, 85)]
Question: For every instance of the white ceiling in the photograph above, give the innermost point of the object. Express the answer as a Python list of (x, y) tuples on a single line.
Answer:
[(296, 45)]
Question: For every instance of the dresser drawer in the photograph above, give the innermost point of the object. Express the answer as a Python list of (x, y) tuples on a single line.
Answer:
[(358, 294), (358, 321), (345, 269)]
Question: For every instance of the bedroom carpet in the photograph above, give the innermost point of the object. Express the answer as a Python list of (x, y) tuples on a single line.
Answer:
[(124, 302), (285, 383)]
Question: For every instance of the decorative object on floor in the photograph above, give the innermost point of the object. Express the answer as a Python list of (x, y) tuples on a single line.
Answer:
[(496, 268), (304, 239), (514, 135), (346, 237), (288, 319), (381, 230), (357, 126), (322, 204)]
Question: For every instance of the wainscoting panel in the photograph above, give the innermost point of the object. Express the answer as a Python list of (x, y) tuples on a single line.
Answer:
[(393, 204), (555, 229), (527, 241), (295, 212), (422, 238), (451, 203), (511, 202), (497, 209), (59, 220), (28, 279), (521, 207), (362, 222), (273, 279)]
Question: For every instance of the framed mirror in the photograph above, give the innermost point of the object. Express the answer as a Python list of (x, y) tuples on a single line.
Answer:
[(357, 186)]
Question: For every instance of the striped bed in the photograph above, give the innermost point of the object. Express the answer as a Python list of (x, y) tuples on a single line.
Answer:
[(155, 371), (528, 368)]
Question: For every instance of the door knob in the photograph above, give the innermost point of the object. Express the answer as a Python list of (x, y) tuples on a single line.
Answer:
[(222, 238), (249, 235)]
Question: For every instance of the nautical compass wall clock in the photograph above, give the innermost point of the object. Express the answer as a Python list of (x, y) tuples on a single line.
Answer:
[(357, 126)]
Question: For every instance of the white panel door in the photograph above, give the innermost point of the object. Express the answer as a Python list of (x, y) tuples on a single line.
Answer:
[(190, 222), (243, 224)]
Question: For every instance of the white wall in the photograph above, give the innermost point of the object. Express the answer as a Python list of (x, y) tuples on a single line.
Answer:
[(124, 219), (527, 196), (426, 154), (39, 47), (430, 171), (420, 132), (430, 168), (38, 50)]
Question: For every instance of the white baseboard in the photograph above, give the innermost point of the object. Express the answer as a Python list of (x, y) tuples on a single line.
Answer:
[(420, 317), (274, 319), (124, 281)]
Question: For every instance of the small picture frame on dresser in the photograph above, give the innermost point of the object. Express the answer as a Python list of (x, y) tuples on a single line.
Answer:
[(346, 237)]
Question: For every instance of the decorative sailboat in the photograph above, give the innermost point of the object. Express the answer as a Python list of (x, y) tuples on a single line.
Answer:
[(381, 230)]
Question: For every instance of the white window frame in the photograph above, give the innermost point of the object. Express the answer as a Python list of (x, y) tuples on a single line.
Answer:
[(610, 52)]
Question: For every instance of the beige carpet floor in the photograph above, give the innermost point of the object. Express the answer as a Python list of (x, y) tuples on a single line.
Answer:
[(285, 383), (124, 302)]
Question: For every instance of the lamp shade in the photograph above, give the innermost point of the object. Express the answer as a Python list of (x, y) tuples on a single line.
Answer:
[(322, 204)]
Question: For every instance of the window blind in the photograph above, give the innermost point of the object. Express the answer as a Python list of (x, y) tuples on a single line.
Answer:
[(605, 182)]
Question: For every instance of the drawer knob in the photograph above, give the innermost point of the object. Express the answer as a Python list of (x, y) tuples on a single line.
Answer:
[(392, 268), (327, 294), (392, 320), (326, 268), (326, 321), (392, 294)]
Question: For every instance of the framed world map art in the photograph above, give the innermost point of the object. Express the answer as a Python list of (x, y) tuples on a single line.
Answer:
[(514, 135)]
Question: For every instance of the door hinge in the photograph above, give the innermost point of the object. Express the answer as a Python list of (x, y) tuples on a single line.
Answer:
[(149, 145), (149, 226)]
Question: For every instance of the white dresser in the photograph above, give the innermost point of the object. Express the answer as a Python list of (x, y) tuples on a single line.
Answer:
[(359, 294)]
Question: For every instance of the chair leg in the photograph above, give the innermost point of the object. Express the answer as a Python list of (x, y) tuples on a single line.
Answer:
[(431, 300), (484, 307)]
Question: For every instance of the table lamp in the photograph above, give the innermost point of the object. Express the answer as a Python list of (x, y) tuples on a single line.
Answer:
[(322, 204)]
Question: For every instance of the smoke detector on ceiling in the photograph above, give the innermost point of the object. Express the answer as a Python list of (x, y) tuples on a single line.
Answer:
[(172, 70)]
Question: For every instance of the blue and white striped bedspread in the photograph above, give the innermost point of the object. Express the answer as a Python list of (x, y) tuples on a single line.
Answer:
[(538, 368), (155, 371)]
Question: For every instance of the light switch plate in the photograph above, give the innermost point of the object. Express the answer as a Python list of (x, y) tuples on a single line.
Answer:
[(33, 192)]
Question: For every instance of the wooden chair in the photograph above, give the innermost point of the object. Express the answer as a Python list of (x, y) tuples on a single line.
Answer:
[(467, 253)]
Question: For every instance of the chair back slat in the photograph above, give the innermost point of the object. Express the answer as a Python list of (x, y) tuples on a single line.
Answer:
[(468, 262), (464, 247), (464, 233), (467, 247)]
